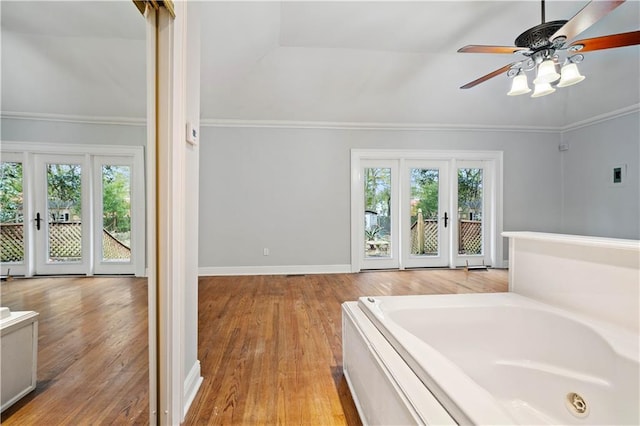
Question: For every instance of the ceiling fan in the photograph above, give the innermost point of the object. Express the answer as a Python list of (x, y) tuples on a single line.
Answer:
[(542, 45)]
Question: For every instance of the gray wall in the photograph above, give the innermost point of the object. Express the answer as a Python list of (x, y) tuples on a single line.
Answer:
[(591, 204), (48, 131), (289, 189)]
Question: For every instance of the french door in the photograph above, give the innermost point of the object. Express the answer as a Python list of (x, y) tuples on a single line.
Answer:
[(424, 209), (426, 222), (14, 230), (61, 221), (70, 213)]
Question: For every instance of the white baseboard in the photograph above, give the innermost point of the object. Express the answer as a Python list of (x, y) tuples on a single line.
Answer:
[(274, 270), (191, 385)]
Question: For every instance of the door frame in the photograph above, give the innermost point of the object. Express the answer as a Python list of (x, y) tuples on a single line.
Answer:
[(393, 261), (493, 159), (20, 268), (40, 198), (30, 150), (136, 180)]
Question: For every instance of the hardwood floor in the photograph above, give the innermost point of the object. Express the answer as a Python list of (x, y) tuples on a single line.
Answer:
[(270, 346), (92, 351)]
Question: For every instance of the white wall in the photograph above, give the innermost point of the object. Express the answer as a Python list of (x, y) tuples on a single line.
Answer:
[(591, 204), (288, 189)]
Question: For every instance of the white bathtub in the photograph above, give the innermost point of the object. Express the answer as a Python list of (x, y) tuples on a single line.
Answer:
[(506, 359)]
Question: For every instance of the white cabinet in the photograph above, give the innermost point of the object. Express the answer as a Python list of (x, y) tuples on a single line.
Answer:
[(19, 347)]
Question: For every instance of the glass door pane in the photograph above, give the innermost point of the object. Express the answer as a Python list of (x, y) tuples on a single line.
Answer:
[(425, 200), (380, 203), (12, 239), (423, 211), (116, 213), (377, 212), (118, 217), (474, 213), (470, 201), (64, 213)]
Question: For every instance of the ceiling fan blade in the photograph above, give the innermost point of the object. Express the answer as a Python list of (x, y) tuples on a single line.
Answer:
[(488, 76), (478, 48), (608, 41), (589, 15)]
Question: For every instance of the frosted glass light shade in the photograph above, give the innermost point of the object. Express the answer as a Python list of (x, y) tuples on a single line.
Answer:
[(519, 85), (570, 75), (546, 72), (542, 89)]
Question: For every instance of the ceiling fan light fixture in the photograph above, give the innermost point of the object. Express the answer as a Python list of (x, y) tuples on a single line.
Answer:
[(519, 85), (542, 89), (546, 72), (569, 75)]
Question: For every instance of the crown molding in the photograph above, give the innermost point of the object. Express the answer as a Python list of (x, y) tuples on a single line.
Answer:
[(284, 124), (328, 125), (336, 125), (602, 117), (82, 119)]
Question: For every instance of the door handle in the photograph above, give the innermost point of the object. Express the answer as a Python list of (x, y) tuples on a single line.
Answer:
[(446, 219), (38, 220)]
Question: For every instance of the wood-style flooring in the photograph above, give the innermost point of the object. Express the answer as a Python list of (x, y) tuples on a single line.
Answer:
[(93, 360), (270, 346)]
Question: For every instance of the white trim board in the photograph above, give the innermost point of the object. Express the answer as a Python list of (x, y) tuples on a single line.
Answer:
[(191, 386), (337, 125), (56, 148), (273, 270), (67, 118)]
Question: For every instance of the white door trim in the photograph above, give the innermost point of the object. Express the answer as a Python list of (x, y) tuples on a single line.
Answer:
[(493, 158)]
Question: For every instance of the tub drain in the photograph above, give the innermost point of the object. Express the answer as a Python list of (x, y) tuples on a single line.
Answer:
[(577, 405)]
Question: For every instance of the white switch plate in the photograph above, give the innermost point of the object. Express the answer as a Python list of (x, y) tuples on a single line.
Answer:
[(192, 134)]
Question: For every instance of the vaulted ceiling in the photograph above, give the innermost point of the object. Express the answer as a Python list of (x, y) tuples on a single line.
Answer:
[(337, 62)]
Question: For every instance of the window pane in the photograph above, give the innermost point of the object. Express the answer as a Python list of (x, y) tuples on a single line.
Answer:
[(424, 212), (470, 195), (11, 213), (116, 213), (377, 212), (64, 212)]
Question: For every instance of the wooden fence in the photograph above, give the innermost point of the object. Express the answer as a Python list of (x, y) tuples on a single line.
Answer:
[(65, 243), (469, 237)]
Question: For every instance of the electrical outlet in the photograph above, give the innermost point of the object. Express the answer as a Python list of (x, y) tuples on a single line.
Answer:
[(265, 252)]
